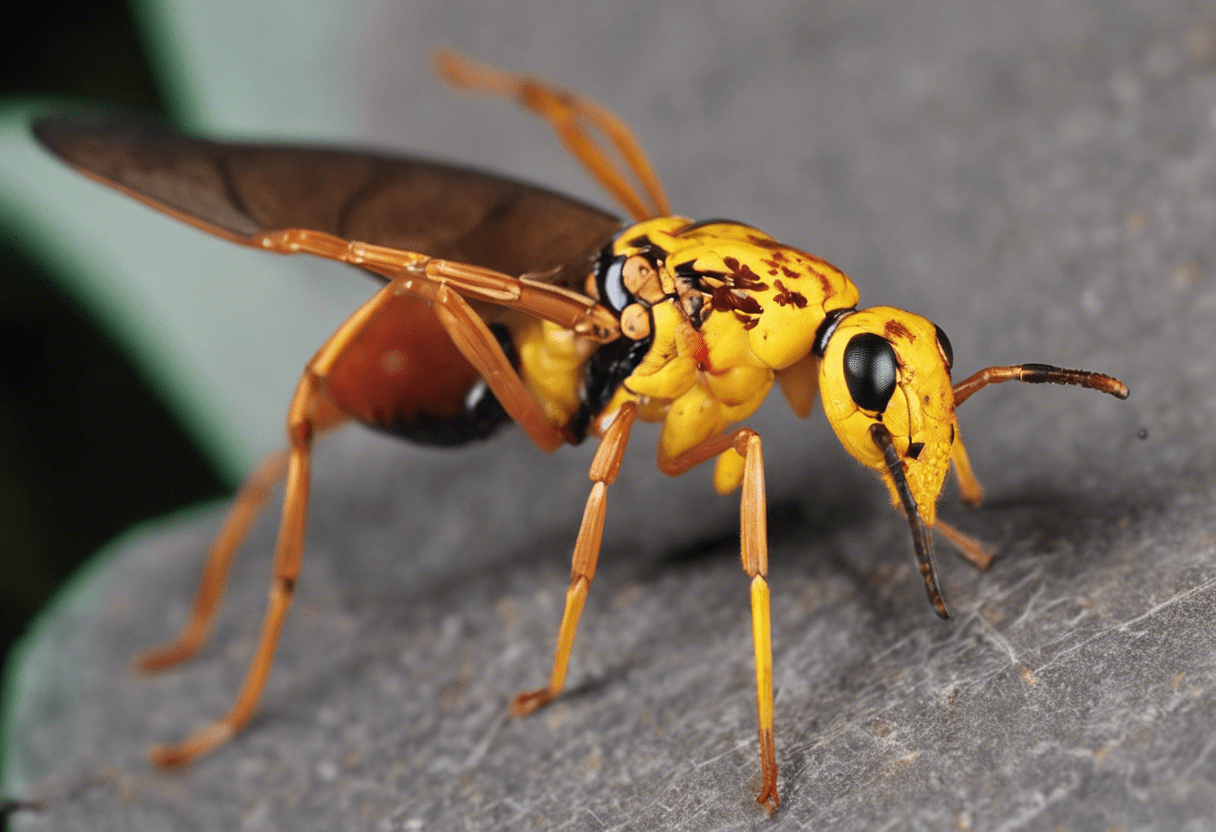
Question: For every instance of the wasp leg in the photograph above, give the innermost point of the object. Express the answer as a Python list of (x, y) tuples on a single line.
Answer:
[(478, 345), (969, 487), (604, 468), (754, 552), (754, 548), (564, 307), (675, 466), (969, 547), (311, 411), (286, 569), (249, 502), (566, 111), (445, 283)]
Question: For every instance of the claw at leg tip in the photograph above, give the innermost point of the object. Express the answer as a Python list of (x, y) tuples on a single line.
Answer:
[(529, 701)]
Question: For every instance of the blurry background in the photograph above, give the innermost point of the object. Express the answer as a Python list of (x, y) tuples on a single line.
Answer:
[(86, 447)]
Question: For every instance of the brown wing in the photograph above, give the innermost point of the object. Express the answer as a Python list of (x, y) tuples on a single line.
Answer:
[(236, 191), (239, 191)]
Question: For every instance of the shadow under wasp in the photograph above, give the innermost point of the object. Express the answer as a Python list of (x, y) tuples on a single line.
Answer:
[(502, 301)]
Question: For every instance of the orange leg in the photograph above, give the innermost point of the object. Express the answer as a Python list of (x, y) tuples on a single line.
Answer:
[(248, 504), (445, 284), (564, 307), (479, 346), (754, 552), (312, 410), (675, 466), (969, 487), (969, 547), (566, 112), (286, 569), (604, 468), (754, 549)]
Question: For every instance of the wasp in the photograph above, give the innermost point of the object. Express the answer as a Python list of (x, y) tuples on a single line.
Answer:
[(503, 302)]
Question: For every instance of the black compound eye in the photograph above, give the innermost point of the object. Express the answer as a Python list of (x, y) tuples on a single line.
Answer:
[(943, 346), (870, 371)]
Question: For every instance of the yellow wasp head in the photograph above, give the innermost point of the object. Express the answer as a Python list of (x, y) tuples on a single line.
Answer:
[(884, 377), (890, 367)]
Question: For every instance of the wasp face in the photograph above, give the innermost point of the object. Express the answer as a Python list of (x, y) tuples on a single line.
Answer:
[(887, 367)]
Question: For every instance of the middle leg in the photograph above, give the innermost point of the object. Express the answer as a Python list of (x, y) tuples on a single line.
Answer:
[(753, 532), (604, 468)]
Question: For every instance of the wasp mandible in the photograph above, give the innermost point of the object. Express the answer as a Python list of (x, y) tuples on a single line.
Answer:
[(502, 301)]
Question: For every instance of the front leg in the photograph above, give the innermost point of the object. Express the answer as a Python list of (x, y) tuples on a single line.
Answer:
[(604, 468), (564, 307)]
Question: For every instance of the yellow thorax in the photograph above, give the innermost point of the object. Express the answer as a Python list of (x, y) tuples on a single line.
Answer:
[(729, 309)]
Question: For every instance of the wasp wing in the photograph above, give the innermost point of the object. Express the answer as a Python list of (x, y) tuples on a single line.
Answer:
[(237, 191), (240, 191)]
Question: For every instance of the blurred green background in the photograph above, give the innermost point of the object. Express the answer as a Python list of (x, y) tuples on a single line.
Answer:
[(86, 447)]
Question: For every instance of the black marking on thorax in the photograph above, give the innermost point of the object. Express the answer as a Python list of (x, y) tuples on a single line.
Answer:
[(603, 373), (827, 328)]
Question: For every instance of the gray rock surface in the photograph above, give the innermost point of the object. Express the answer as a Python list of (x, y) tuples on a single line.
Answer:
[(1037, 177)]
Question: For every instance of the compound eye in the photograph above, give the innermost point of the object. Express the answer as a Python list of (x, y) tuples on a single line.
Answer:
[(943, 346), (611, 285), (870, 371)]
